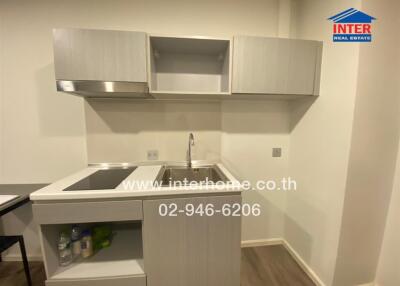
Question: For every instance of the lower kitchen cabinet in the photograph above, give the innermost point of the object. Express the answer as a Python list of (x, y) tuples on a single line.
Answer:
[(196, 250)]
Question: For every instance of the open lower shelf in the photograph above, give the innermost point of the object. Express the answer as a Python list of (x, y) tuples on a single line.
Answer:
[(123, 258)]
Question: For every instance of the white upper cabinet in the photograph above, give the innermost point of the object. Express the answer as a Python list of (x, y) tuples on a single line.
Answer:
[(100, 55), (276, 66)]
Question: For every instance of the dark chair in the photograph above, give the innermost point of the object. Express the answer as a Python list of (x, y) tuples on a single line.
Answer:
[(6, 242)]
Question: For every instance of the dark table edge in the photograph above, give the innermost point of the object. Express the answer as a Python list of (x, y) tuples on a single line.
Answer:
[(14, 204)]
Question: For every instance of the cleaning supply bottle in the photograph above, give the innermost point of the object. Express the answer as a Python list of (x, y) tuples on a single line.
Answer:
[(76, 241), (64, 249), (86, 244)]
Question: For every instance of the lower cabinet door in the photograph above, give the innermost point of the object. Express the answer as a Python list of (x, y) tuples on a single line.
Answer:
[(185, 249)]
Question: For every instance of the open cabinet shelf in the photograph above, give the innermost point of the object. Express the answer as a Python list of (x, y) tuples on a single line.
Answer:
[(189, 65), (124, 258)]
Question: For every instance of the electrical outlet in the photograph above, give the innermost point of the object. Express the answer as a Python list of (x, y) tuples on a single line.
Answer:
[(152, 155), (276, 152)]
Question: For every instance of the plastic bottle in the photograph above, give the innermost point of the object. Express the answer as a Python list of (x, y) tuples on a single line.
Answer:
[(86, 244), (64, 249), (76, 241)]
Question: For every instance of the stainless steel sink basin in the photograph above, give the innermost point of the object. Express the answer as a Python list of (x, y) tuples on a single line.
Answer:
[(177, 176)]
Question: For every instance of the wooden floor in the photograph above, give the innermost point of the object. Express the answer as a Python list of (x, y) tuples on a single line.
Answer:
[(12, 274), (261, 266), (272, 266)]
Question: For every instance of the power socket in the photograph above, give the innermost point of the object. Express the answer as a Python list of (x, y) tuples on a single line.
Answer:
[(152, 155), (276, 152)]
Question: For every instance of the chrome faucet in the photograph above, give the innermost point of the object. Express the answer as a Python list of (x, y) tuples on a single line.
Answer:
[(189, 152)]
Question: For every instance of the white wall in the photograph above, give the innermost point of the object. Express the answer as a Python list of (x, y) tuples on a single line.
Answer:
[(350, 134), (250, 131), (374, 148), (36, 121), (320, 143), (123, 131), (388, 270)]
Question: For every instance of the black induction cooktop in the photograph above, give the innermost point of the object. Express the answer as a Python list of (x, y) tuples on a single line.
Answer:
[(102, 180)]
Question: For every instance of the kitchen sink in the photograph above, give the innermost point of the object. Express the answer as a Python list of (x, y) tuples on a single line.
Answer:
[(177, 176)]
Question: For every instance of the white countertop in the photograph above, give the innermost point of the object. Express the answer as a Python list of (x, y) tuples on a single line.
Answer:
[(143, 175)]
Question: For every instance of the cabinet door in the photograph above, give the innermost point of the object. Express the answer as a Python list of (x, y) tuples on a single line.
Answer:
[(275, 66), (101, 55), (191, 250)]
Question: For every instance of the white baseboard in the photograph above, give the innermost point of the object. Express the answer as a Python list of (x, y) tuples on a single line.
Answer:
[(16, 257), (280, 241), (262, 242), (303, 265)]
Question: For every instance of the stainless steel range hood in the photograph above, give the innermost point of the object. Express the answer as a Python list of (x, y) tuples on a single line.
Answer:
[(104, 89)]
